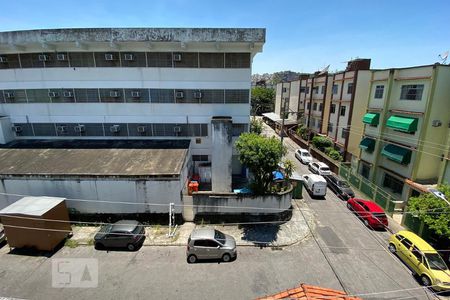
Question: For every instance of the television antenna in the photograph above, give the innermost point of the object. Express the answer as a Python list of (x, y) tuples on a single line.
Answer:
[(443, 57)]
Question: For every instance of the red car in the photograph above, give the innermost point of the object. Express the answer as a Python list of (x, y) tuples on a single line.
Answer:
[(371, 213)]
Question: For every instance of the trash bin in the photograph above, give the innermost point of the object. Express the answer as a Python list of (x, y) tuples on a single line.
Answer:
[(297, 183)]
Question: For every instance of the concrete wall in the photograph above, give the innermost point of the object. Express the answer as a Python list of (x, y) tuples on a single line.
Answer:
[(141, 192), (278, 97), (222, 151), (213, 203), (6, 134)]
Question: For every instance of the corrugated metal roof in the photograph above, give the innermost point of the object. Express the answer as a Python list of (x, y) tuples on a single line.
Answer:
[(32, 206)]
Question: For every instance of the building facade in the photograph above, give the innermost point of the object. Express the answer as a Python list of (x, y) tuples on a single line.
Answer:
[(407, 129), (127, 84)]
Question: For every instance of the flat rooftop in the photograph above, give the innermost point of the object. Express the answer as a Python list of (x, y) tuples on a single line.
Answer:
[(32, 206), (252, 35), (87, 159)]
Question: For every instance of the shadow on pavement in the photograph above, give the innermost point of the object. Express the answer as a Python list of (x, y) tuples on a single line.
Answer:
[(260, 235), (35, 252)]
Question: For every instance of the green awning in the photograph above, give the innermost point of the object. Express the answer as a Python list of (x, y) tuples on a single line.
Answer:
[(371, 118), (402, 123), (367, 144), (397, 154)]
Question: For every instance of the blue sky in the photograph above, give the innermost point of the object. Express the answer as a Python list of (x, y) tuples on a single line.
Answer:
[(302, 36)]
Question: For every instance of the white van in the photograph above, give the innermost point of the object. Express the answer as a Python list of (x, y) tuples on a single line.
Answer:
[(315, 184)]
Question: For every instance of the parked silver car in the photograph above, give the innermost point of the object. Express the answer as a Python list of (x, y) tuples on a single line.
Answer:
[(208, 243)]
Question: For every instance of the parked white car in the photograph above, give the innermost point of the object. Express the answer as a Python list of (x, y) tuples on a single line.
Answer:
[(319, 168), (303, 156)]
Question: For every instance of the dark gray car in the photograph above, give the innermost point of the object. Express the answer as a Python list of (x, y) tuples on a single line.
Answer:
[(340, 187), (208, 243), (122, 234)]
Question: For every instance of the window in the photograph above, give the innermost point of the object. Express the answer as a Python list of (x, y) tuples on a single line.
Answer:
[(365, 170), (344, 133), (350, 88), (322, 90), (412, 92), (200, 158), (316, 90), (407, 243), (284, 90), (416, 252), (392, 183), (308, 105), (343, 108), (302, 89), (335, 89), (237, 60), (206, 243), (307, 90), (379, 91), (330, 127), (211, 60), (314, 106), (333, 108), (320, 106)]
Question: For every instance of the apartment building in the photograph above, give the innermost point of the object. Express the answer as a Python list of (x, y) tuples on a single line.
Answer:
[(316, 93), (406, 140)]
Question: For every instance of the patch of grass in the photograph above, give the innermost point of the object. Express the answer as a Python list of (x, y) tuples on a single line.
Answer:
[(71, 243), (90, 242)]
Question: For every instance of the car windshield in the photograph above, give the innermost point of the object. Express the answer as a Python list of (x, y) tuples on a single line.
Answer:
[(305, 154), (105, 229), (138, 229), (219, 236), (344, 184), (325, 169), (435, 261)]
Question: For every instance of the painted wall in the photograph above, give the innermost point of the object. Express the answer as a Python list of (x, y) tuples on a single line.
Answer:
[(221, 152), (6, 135), (141, 192)]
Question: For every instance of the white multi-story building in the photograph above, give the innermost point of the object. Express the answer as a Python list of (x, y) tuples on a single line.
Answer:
[(130, 83)]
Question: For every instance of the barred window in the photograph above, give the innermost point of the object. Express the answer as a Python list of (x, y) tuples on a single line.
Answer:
[(379, 91), (9, 61), (38, 95), (335, 89), (111, 95), (81, 59), (333, 108), (23, 129), (237, 60), (200, 158), (107, 59), (350, 88), (133, 59), (188, 60), (162, 96), (44, 129), (238, 129), (137, 95), (237, 96), (15, 96), (159, 59), (59, 59), (31, 60), (86, 95), (211, 60), (213, 96), (115, 129), (412, 92)]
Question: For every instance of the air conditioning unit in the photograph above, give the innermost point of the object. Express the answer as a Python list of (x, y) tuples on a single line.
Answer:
[(68, 94), (176, 57), (3, 59), (141, 129), (179, 95), (80, 128), (53, 94), (9, 95), (109, 56), (61, 128), (436, 123), (114, 94), (61, 56), (128, 56), (198, 95), (43, 57), (114, 128), (135, 94), (17, 128), (177, 129)]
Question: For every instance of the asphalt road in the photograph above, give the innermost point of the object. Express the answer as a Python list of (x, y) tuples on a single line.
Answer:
[(350, 257)]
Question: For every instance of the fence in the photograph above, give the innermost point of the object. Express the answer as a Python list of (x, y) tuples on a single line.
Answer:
[(384, 199)]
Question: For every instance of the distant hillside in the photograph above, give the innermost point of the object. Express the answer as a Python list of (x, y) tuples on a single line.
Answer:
[(274, 78)]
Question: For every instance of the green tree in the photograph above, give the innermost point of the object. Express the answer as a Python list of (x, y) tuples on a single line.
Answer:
[(256, 126), (262, 100), (433, 211), (261, 155), (289, 168), (321, 142)]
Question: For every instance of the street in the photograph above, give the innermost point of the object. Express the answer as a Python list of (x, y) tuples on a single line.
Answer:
[(341, 254)]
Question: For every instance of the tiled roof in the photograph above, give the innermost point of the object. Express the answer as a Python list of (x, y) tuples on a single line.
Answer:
[(310, 292)]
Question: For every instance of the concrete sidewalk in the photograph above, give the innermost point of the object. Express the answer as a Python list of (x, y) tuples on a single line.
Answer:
[(273, 234)]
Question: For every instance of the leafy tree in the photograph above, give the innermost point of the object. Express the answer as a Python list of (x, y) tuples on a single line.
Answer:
[(261, 156), (334, 154), (321, 142), (289, 168), (433, 211), (256, 126), (262, 100)]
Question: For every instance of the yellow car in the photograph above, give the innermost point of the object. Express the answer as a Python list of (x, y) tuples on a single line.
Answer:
[(421, 258)]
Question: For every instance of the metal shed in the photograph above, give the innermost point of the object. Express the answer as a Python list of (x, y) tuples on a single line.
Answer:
[(36, 222)]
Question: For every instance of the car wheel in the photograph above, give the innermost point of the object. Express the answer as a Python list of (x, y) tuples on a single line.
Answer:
[(131, 247), (192, 259), (226, 257), (392, 248), (99, 246), (425, 280), (349, 206)]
